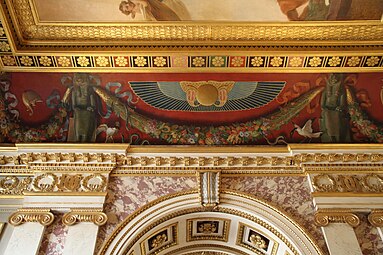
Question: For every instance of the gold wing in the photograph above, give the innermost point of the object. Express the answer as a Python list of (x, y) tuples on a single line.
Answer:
[(113, 102), (67, 95)]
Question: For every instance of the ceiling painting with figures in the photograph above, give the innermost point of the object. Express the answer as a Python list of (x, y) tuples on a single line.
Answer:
[(212, 10), (192, 109)]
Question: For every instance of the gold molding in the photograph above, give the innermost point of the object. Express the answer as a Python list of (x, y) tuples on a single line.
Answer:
[(42, 216), (208, 246), (207, 149), (95, 216), (32, 32), (82, 194), (71, 146), (29, 37), (94, 159), (376, 218), (323, 217)]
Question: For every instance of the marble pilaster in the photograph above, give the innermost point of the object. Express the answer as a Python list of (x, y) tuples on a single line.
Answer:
[(25, 239), (81, 237), (341, 239)]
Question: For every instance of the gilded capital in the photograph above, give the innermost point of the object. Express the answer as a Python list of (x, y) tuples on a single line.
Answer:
[(95, 216), (326, 216), (42, 216), (376, 218)]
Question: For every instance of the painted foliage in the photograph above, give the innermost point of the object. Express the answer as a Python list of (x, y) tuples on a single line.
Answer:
[(212, 10), (202, 109)]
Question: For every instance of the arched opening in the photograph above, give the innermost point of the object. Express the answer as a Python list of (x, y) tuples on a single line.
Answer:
[(239, 225)]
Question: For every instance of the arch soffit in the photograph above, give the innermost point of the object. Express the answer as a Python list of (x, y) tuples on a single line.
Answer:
[(178, 224)]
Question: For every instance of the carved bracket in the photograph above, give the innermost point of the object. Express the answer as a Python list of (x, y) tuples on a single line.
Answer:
[(326, 216), (42, 216), (376, 218), (209, 183), (95, 216)]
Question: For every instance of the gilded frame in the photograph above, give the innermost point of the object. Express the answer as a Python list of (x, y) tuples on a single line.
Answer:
[(313, 45), (21, 16)]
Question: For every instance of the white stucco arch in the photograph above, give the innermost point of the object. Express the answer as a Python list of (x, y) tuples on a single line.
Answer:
[(178, 224)]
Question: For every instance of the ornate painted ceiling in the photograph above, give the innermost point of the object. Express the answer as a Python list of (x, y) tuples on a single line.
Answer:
[(188, 72)]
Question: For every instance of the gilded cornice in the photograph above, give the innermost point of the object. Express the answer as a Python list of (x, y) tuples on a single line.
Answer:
[(42, 216), (187, 160), (323, 217), (75, 216), (20, 14)]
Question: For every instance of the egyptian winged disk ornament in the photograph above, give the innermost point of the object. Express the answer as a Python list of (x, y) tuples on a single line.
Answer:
[(207, 96)]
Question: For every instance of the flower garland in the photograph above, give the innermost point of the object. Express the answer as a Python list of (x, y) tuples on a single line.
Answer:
[(360, 121)]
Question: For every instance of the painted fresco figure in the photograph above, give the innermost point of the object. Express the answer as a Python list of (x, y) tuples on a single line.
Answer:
[(83, 103), (334, 122), (315, 9), (156, 10)]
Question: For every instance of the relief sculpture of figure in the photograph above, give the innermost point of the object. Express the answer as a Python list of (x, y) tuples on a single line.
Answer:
[(334, 121), (82, 100)]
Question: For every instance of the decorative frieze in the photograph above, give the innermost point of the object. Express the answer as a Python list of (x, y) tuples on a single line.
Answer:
[(42, 216), (323, 217), (49, 182), (95, 216), (368, 183)]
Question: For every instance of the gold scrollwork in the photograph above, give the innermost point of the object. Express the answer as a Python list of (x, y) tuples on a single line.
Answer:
[(42, 216), (324, 182), (373, 183), (376, 218), (49, 182), (94, 183), (326, 216), (40, 182), (348, 183), (95, 216)]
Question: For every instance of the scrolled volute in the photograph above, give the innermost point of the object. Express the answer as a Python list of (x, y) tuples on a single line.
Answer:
[(42, 216), (95, 216), (376, 218), (325, 217)]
